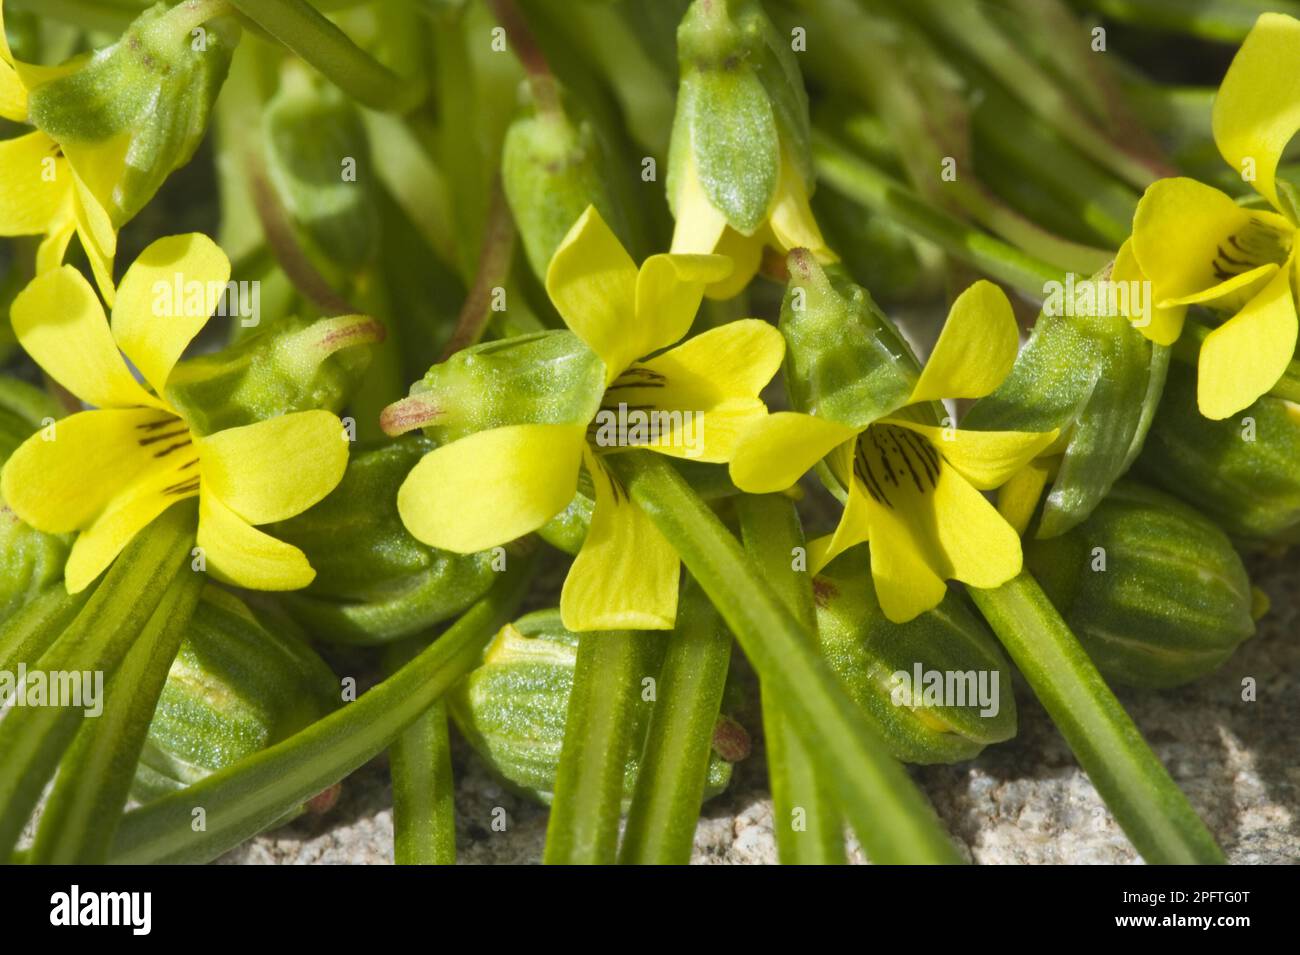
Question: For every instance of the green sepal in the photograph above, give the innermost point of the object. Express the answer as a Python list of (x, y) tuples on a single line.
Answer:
[(30, 560), (552, 170), (311, 129), (293, 365), (726, 123), (235, 688), (870, 654), (1097, 380), (136, 111), (845, 361), (375, 582), (512, 708), (1153, 590), (1243, 471), (544, 378)]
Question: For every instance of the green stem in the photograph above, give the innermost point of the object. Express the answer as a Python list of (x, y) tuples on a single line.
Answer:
[(583, 828), (1145, 801), (888, 812), (857, 179), (33, 738), (675, 764), (809, 829), (424, 789), (241, 800), (33, 629), (305, 31), (1227, 21), (95, 776)]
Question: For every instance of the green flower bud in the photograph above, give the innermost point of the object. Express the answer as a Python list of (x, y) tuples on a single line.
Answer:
[(512, 709), (551, 170), (294, 365), (136, 111), (741, 112), (318, 160), (235, 688), (544, 378), (30, 561), (374, 581), (844, 359), (1241, 471), (1153, 590), (1087, 372), (937, 688)]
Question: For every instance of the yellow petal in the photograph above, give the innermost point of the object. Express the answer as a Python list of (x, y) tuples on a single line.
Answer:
[(669, 289), (942, 529), (1257, 110), (274, 469), (54, 247), (980, 547), (593, 283), (1246, 355), (791, 219), (626, 574), (985, 458), (781, 448), (126, 515), (1160, 325), (98, 239), (716, 377), (492, 487), (63, 484), (164, 300), (1018, 498), (35, 186), (60, 323), (244, 556), (1196, 245), (700, 225), (854, 528), (13, 95), (746, 254), (902, 566), (975, 350)]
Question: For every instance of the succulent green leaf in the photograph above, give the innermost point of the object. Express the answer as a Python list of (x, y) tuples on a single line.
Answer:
[(1153, 590)]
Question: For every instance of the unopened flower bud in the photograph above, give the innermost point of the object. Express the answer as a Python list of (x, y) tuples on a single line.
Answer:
[(1153, 590), (136, 111), (520, 734), (551, 171), (937, 688), (318, 160), (374, 581), (236, 687), (740, 169), (1240, 471)]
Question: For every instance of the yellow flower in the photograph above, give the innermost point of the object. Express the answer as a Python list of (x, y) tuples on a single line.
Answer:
[(913, 489), (41, 192), (1197, 246), (493, 486), (703, 228), (108, 472)]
